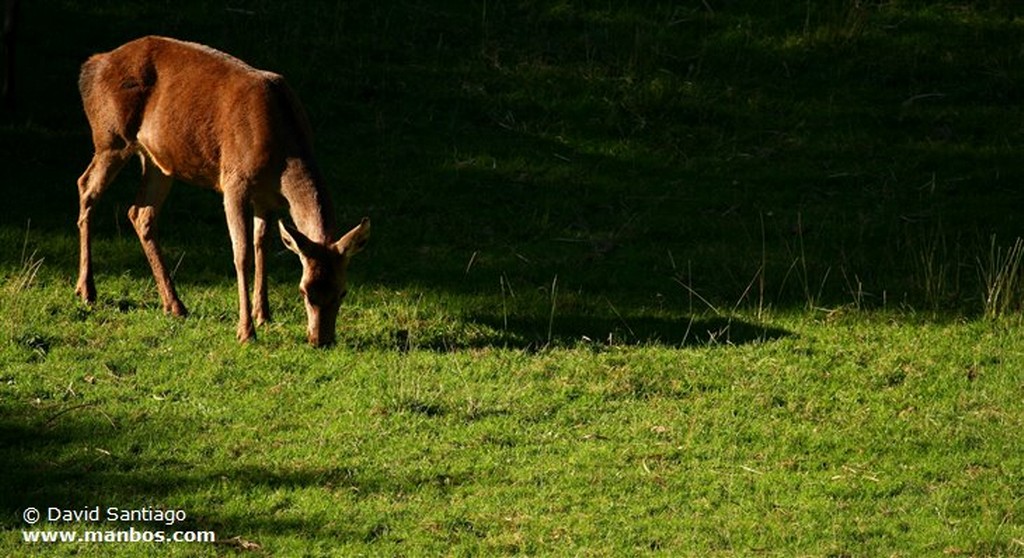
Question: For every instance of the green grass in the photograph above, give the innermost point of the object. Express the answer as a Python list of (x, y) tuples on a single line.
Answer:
[(712, 278), (856, 435)]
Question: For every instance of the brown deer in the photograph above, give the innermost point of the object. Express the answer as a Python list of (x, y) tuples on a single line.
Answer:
[(196, 114)]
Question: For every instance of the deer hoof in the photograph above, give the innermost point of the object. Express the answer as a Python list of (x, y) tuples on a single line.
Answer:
[(86, 291), (176, 308), (246, 334)]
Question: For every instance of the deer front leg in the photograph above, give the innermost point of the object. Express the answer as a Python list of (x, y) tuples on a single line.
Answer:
[(261, 304), (143, 215), (97, 176), (240, 225)]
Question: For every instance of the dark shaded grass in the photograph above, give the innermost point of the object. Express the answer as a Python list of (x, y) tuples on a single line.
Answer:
[(615, 147)]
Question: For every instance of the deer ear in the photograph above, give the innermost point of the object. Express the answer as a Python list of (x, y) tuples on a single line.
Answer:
[(354, 240), (294, 240)]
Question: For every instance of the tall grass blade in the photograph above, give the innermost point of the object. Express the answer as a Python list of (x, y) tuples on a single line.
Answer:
[(1001, 278), (551, 317)]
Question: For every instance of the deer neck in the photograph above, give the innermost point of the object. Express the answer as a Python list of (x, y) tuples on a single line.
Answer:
[(309, 201)]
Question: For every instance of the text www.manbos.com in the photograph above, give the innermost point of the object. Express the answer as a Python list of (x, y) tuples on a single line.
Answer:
[(118, 536)]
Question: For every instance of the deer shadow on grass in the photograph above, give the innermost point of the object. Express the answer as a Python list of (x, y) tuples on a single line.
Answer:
[(538, 333), (649, 330)]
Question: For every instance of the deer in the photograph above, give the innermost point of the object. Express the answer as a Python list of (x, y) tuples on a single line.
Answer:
[(197, 115)]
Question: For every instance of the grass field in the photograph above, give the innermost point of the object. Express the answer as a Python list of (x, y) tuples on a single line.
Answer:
[(717, 278)]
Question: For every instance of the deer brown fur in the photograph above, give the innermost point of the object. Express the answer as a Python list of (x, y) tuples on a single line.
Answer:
[(196, 114)]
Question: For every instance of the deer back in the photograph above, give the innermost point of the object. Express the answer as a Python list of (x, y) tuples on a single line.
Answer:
[(196, 112)]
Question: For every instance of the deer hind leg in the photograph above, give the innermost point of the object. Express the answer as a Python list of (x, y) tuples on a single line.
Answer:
[(238, 210), (105, 165), (143, 215), (261, 304)]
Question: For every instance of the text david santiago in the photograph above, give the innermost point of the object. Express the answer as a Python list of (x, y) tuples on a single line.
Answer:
[(114, 514)]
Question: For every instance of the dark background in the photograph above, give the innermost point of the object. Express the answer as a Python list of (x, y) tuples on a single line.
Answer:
[(784, 154)]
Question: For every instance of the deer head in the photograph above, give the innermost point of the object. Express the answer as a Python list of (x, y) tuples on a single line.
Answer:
[(323, 284)]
